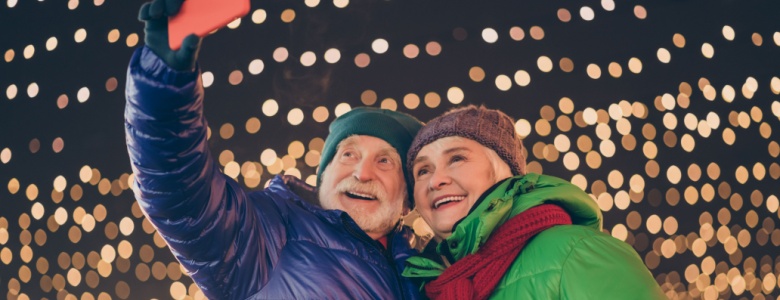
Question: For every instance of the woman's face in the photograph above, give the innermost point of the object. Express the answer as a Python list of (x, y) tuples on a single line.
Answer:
[(450, 174)]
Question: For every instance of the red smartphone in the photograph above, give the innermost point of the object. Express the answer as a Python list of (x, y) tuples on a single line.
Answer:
[(202, 17)]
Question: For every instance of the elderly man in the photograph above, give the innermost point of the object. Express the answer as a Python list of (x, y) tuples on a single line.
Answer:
[(270, 244)]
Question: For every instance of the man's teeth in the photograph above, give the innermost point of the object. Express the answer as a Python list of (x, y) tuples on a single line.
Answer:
[(448, 200), (361, 196)]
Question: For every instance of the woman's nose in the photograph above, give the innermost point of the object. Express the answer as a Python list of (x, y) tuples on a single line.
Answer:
[(439, 179)]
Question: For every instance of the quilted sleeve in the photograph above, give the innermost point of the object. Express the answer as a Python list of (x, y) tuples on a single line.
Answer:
[(224, 240)]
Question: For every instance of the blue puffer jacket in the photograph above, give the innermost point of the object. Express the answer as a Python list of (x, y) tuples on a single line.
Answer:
[(270, 244)]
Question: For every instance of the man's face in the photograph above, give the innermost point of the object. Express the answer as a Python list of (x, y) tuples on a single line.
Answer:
[(365, 179)]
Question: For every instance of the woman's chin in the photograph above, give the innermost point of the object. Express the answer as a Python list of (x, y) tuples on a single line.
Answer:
[(444, 228)]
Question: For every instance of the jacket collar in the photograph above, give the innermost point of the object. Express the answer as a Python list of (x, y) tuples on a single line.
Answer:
[(490, 211), (299, 187)]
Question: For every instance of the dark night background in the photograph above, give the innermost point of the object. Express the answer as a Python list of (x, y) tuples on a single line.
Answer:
[(46, 131)]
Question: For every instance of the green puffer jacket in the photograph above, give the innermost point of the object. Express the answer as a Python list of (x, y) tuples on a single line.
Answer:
[(563, 262)]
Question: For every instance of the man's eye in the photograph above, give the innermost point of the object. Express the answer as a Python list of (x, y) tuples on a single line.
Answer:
[(422, 172), (348, 156)]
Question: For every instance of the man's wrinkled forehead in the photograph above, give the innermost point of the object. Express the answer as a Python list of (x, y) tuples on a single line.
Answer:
[(354, 141)]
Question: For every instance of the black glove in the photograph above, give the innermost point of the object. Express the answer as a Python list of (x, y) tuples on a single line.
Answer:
[(155, 15)]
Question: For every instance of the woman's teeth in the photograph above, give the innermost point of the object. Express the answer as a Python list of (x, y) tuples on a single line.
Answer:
[(448, 200)]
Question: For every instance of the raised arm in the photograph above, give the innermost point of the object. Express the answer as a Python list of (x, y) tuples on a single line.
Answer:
[(221, 236)]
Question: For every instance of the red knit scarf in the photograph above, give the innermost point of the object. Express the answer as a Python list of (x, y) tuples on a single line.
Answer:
[(476, 275)]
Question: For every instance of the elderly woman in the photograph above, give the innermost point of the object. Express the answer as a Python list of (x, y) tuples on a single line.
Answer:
[(506, 234)]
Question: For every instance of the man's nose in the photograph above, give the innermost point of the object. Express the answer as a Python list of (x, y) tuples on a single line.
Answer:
[(364, 171)]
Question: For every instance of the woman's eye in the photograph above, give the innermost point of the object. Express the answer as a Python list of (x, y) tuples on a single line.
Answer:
[(457, 158)]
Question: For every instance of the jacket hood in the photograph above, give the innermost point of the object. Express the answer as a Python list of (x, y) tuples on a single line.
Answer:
[(513, 196)]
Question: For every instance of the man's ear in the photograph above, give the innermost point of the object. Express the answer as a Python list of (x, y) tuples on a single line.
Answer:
[(408, 204)]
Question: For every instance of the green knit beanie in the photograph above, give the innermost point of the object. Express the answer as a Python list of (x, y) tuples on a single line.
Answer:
[(396, 128)]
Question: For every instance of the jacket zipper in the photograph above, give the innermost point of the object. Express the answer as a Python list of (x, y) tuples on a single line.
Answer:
[(387, 252)]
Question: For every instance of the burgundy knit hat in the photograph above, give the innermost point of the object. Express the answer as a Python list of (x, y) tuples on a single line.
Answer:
[(489, 127)]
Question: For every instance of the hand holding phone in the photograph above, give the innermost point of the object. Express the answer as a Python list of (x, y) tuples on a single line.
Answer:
[(202, 17), (180, 51)]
